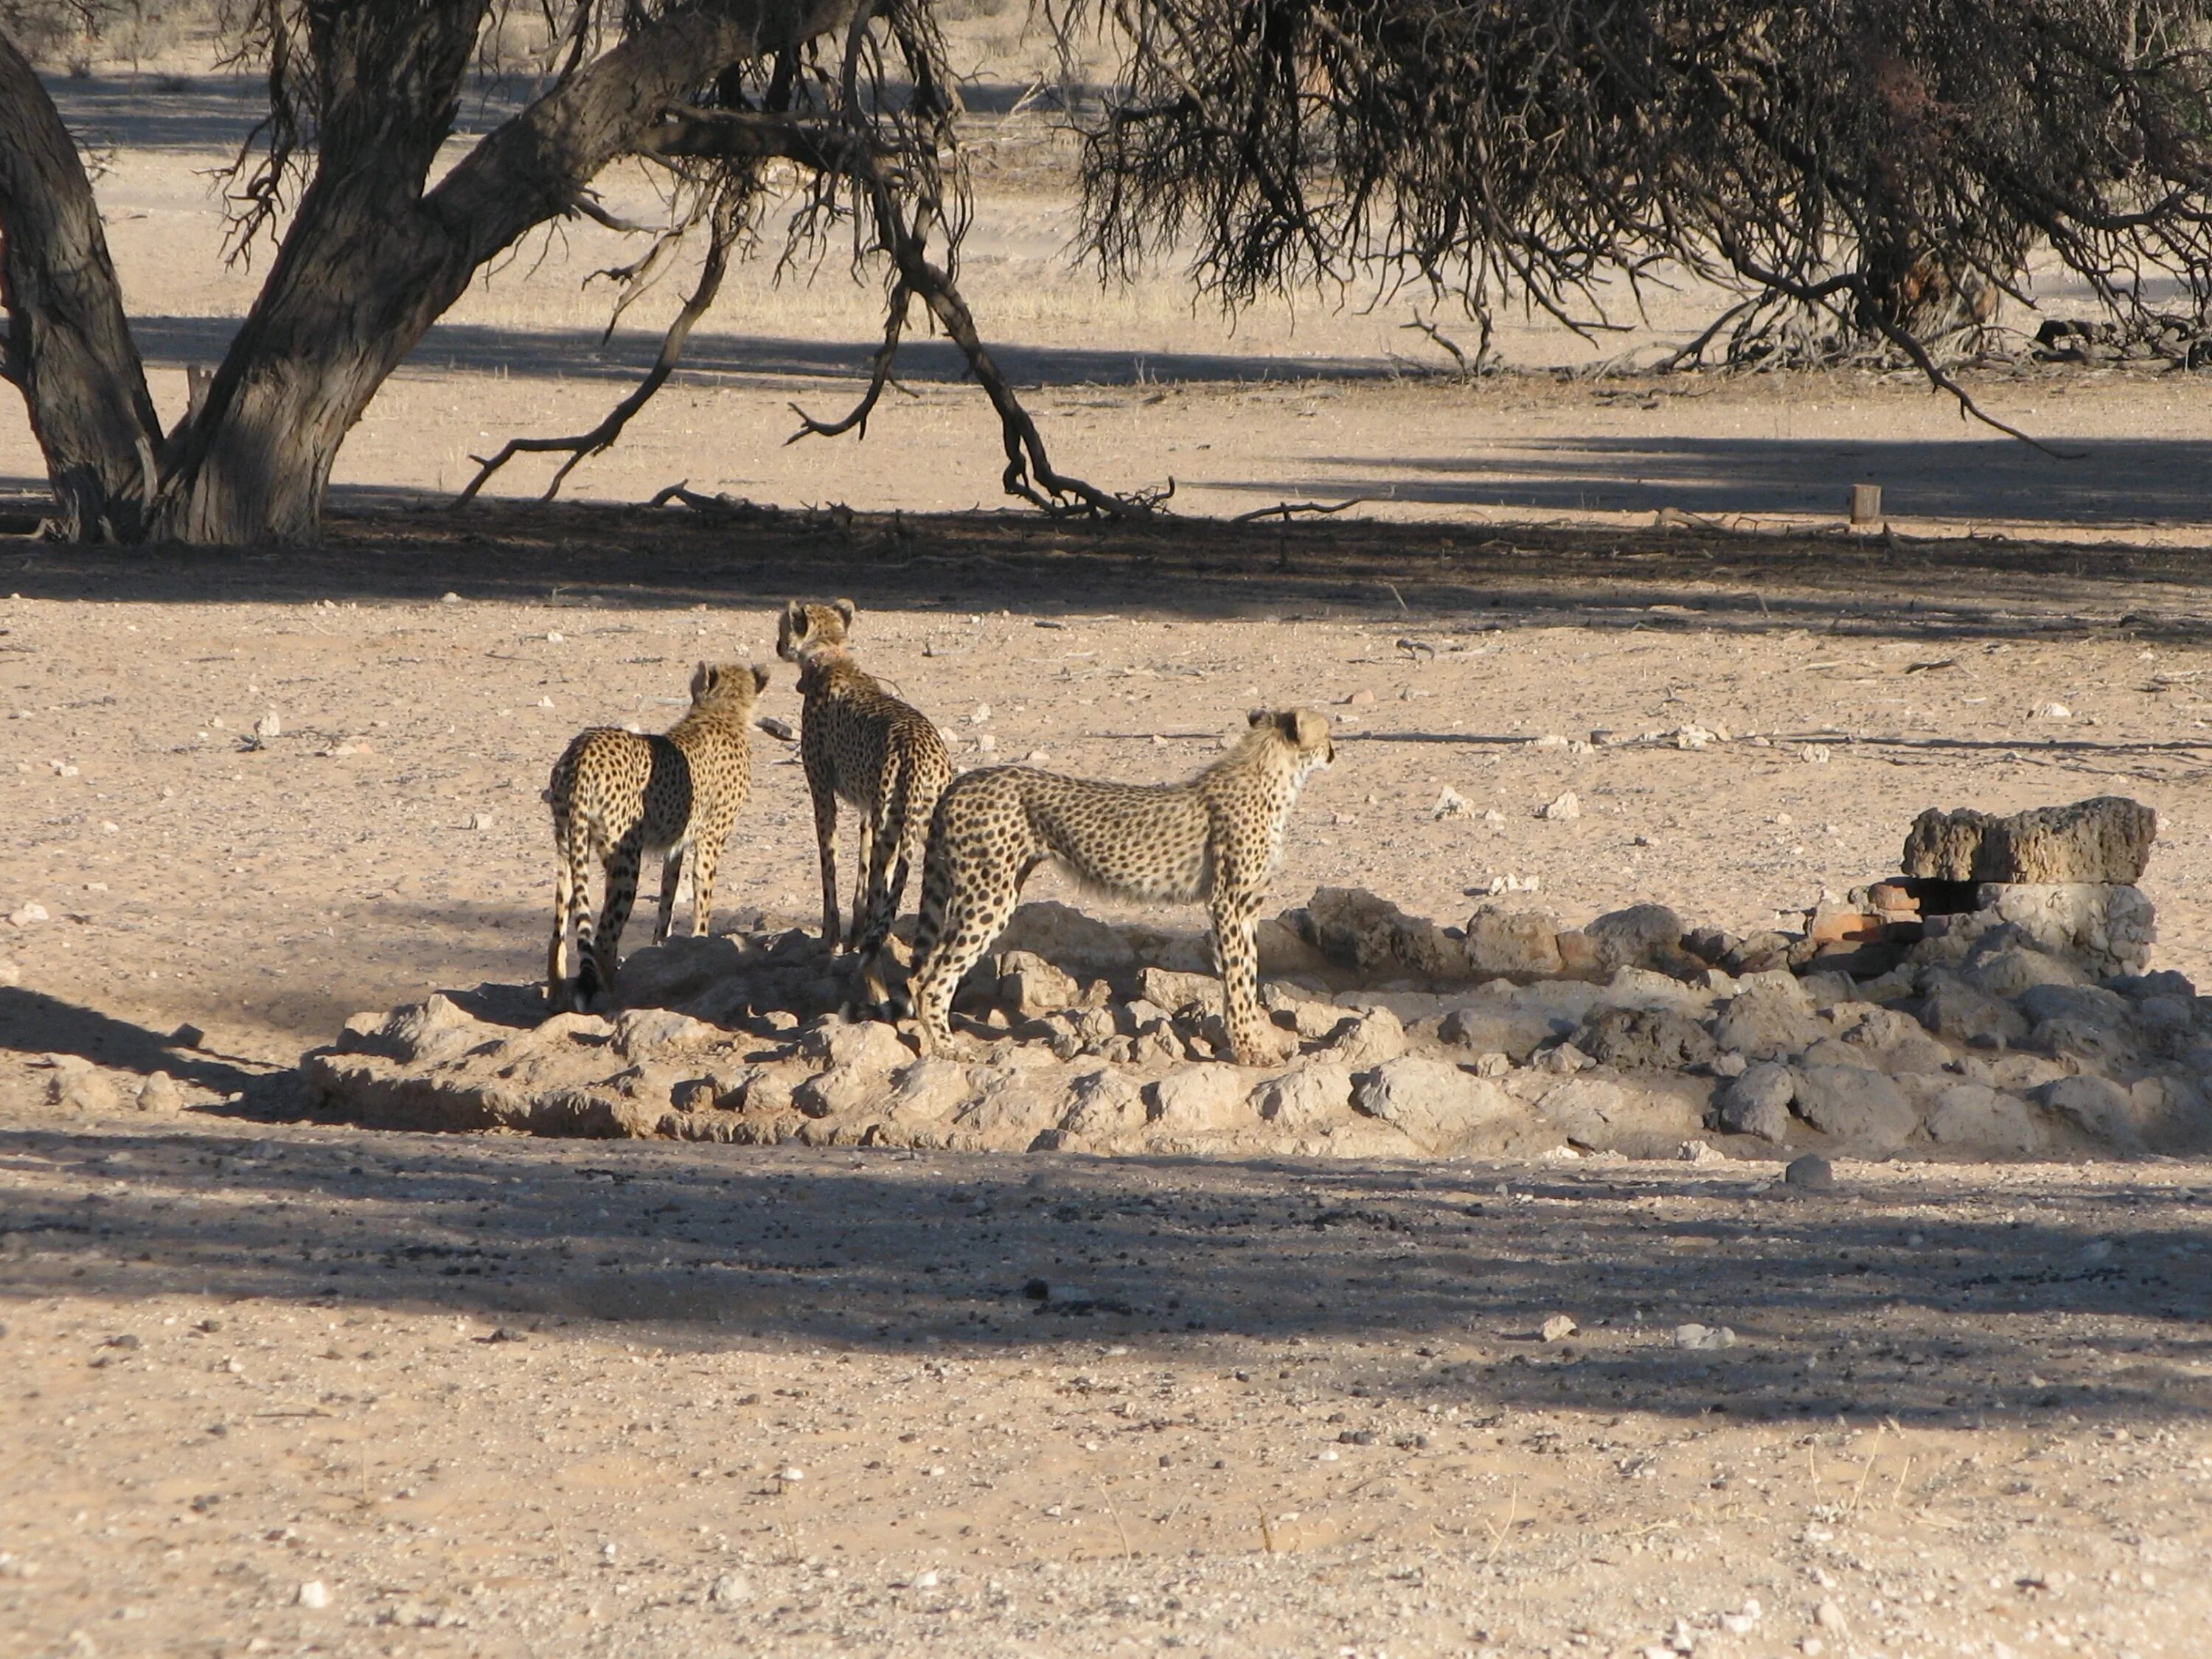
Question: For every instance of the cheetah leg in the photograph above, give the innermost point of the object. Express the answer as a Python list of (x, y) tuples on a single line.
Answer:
[(1251, 1035), (972, 918), (864, 880), (566, 878), (622, 893), (671, 876), (825, 838), (705, 858)]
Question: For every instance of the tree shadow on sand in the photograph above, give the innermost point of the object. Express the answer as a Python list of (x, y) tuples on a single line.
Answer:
[(1872, 1301)]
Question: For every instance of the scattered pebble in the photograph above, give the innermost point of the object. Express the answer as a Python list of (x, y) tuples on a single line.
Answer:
[(1450, 804), (314, 1594), (1703, 1338), (1557, 1328), (1561, 808), (1811, 1172), (28, 915)]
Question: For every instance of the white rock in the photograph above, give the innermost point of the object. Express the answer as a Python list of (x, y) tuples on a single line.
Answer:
[(729, 1589), (2054, 711), (1450, 804), (268, 726), (1557, 1328), (315, 1595), (1561, 808), (1200, 1099), (1434, 1101), (1701, 1339), (28, 915), (1309, 1094)]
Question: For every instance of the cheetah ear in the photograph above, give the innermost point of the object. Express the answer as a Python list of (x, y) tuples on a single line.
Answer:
[(1258, 717), (846, 609), (1287, 723), (704, 678), (1309, 730), (760, 679)]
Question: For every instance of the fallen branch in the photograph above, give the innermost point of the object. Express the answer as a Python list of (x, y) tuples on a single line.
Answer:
[(584, 445), (1285, 510)]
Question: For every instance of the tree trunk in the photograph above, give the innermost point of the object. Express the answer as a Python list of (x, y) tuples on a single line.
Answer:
[(370, 262), (68, 347)]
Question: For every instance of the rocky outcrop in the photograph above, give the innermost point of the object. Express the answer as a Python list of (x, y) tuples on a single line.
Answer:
[(2020, 1027), (2105, 840)]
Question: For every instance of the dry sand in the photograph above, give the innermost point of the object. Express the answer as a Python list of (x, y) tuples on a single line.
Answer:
[(1966, 1407)]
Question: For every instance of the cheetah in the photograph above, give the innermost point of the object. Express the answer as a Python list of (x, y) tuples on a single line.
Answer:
[(1217, 837), (863, 745), (622, 795)]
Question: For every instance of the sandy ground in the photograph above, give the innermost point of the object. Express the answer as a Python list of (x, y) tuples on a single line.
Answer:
[(1306, 1412)]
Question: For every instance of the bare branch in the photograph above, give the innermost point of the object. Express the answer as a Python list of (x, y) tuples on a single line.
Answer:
[(1286, 510), (585, 445)]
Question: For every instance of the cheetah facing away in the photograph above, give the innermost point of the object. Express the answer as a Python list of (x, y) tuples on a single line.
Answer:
[(620, 795), (1217, 837), (860, 744)]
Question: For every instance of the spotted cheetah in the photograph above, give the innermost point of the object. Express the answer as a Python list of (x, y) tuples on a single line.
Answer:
[(1217, 837), (863, 745), (623, 794)]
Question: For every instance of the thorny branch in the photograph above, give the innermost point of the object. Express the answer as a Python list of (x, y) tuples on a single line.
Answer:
[(723, 226)]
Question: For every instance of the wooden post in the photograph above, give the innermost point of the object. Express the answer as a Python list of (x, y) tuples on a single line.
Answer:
[(1866, 504)]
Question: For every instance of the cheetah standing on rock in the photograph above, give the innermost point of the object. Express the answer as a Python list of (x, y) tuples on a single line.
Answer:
[(863, 745), (620, 795), (1217, 837)]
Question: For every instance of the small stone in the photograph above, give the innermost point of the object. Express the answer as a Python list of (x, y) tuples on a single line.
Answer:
[(1703, 1339), (28, 915), (607, 1553), (1829, 1616), (1557, 1328), (187, 1036), (80, 1089), (1811, 1172), (1562, 808), (1757, 1101), (791, 1475), (268, 726), (160, 1093), (1450, 804), (314, 1594), (450, 598), (729, 1589), (481, 820), (926, 1579)]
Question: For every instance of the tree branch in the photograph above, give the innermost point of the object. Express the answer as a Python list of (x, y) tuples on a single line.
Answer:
[(584, 445)]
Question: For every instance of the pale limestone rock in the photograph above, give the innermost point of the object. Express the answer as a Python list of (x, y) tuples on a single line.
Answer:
[(1202, 1099), (1310, 1094), (1435, 1102)]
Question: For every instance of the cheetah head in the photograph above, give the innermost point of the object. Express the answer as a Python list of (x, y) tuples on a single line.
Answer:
[(806, 628), (732, 686), (1301, 731)]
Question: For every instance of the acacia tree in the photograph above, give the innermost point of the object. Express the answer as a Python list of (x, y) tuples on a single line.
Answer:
[(363, 92), (1875, 161), (1880, 163)]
